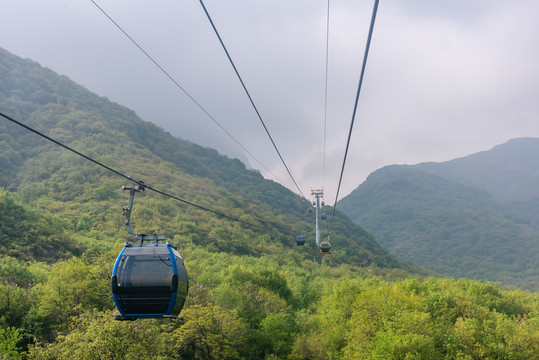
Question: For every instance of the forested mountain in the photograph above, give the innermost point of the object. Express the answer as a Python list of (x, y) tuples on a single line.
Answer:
[(471, 217), (253, 293), (510, 172), (49, 176)]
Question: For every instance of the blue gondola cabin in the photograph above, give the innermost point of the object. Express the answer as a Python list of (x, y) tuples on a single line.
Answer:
[(149, 280)]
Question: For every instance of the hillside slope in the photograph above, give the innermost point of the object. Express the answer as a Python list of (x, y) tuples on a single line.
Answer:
[(59, 182), (448, 217), (29, 235)]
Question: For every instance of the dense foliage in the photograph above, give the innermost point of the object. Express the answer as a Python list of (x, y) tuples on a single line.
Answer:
[(275, 307), (29, 235), (452, 228), (253, 293)]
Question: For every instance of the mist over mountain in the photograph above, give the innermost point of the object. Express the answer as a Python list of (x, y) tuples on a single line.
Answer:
[(472, 217), (510, 172)]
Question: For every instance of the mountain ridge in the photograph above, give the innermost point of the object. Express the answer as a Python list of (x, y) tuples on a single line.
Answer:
[(457, 217), (509, 171)]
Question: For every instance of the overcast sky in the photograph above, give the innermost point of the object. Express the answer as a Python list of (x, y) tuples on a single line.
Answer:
[(444, 79)]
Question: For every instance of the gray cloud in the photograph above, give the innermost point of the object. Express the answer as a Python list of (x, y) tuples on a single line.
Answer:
[(444, 79)]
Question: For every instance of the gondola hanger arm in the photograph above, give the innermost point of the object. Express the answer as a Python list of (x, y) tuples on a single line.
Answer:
[(127, 213)]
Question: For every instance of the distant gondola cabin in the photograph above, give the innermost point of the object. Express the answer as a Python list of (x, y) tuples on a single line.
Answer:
[(325, 247)]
